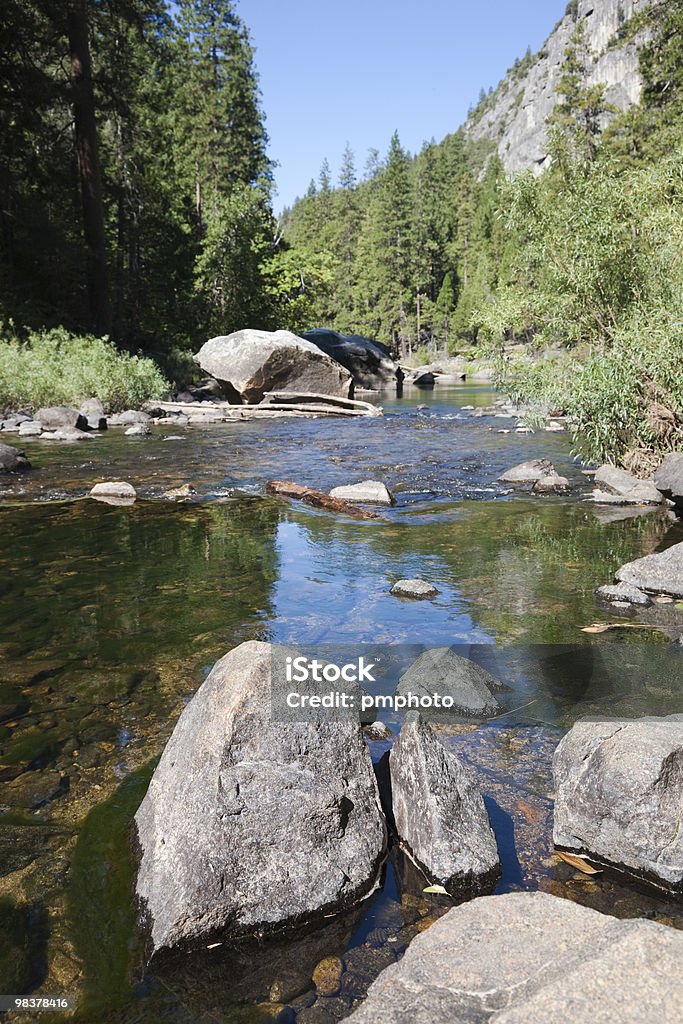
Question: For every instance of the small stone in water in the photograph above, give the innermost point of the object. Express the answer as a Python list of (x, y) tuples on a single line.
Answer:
[(418, 589), (114, 489), (327, 976)]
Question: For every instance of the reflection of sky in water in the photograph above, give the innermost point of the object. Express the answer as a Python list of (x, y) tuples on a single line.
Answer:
[(336, 591)]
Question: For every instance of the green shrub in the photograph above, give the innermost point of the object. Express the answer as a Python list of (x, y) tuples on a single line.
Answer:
[(58, 368)]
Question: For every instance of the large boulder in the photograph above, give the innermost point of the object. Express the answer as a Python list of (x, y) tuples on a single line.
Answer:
[(368, 362), (93, 410), (612, 483), (468, 687), (619, 795), (61, 417), (439, 812), (252, 825), (531, 958), (12, 460), (659, 573), (249, 363), (669, 478)]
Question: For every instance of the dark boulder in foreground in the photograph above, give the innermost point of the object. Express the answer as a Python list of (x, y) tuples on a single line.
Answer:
[(368, 362), (247, 364), (12, 460), (252, 825), (531, 958), (659, 573), (619, 795), (669, 478), (439, 811)]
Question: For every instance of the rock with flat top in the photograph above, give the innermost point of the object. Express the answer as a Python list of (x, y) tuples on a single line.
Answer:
[(531, 958), (250, 825), (623, 593), (369, 492), (249, 363), (439, 811), (610, 480), (30, 428), (417, 589), (114, 489), (619, 795)]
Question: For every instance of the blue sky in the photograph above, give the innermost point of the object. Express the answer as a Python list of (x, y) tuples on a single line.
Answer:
[(338, 70)]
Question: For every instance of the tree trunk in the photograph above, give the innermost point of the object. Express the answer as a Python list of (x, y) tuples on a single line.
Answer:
[(88, 163)]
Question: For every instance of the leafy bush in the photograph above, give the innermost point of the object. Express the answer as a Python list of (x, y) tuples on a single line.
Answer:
[(58, 368)]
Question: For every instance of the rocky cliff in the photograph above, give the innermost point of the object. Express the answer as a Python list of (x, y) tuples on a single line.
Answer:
[(514, 115)]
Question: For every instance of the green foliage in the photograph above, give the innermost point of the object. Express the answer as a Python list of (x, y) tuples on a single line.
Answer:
[(58, 368)]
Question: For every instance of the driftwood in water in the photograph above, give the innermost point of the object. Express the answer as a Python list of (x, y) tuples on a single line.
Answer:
[(286, 489), (308, 398)]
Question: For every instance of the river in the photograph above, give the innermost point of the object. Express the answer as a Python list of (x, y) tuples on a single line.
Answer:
[(110, 617)]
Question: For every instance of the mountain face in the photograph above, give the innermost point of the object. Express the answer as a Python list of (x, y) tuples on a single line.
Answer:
[(514, 115)]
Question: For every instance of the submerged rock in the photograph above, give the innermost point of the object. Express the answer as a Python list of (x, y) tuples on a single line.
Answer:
[(138, 430), (528, 472), (669, 478), (418, 589), (12, 460), (619, 795), (370, 492), (442, 672), (249, 363), (531, 958), (439, 811), (253, 825), (659, 573), (368, 362), (612, 483)]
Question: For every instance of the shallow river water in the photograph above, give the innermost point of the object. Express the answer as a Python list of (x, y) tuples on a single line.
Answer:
[(110, 617)]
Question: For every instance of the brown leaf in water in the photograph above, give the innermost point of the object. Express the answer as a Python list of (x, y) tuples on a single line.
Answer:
[(529, 812), (580, 863)]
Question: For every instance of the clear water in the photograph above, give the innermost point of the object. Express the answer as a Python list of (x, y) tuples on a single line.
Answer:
[(110, 618)]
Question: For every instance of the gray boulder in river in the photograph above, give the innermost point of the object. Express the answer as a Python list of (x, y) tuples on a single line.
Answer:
[(613, 484), (252, 826), (439, 811), (12, 460), (659, 573), (529, 472), (468, 687), (669, 478), (368, 362), (619, 795), (60, 417), (531, 958), (249, 363)]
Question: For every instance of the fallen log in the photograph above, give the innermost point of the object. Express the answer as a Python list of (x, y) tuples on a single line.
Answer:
[(314, 398), (287, 489)]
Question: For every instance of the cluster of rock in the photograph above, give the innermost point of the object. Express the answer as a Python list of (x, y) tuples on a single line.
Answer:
[(251, 825), (249, 363), (65, 423), (540, 474), (254, 827)]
